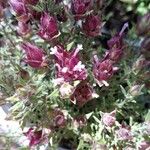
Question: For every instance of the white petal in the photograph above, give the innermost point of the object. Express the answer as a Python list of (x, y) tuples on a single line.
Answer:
[(53, 50), (64, 70)]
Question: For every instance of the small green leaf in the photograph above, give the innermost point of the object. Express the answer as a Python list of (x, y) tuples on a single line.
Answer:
[(147, 117), (69, 46)]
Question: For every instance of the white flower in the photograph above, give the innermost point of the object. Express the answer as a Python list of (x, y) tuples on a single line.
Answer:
[(66, 90), (64, 70), (79, 66), (79, 47), (53, 50), (57, 81)]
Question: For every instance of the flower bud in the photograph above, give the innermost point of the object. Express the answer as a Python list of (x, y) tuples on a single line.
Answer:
[(139, 63), (124, 134), (48, 29), (23, 28), (82, 94), (109, 119), (58, 118), (35, 137), (20, 9), (144, 145), (34, 56), (92, 26), (143, 25), (116, 42), (103, 71), (18, 6), (136, 90), (24, 74), (80, 7)]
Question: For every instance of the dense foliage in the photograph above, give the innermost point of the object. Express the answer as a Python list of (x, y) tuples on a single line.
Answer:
[(76, 72)]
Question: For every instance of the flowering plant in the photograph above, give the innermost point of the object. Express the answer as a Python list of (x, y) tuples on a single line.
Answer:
[(74, 79)]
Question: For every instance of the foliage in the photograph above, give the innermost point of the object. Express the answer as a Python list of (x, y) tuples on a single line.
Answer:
[(76, 72)]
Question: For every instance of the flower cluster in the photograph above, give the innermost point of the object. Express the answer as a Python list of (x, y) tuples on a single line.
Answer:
[(104, 69), (68, 64)]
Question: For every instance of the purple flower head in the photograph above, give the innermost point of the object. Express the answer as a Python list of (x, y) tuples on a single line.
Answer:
[(109, 119), (48, 29), (124, 133), (143, 25), (82, 94), (80, 7), (144, 145), (115, 45), (34, 56), (92, 25), (35, 137), (59, 118), (23, 28), (103, 71), (20, 9), (68, 64), (116, 42)]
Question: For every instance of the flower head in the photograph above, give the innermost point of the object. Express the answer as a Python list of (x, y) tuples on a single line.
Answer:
[(144, 145), (48, 29), (92, 25), (66, 90), (34, 55), (103, 71), (109, 119), (68, 64), (83, 93), (59, 119), (124, 133), (116, 42), (80, 7), (20, 9), (35, 137)]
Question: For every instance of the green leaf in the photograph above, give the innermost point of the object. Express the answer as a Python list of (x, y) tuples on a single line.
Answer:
[(123, 91), (54, 94), (147, 117), (69, 46)]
